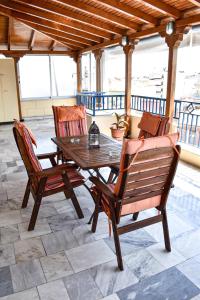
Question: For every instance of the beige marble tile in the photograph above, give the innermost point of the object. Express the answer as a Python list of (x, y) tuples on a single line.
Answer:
[(89, 255), (9, 234), (56, 266), (41, 228), (28, 249), (54, 290), (10, 218)]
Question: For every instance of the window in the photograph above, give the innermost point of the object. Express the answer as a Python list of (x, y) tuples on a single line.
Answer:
[(46, 77), (35, 76), (63, 70), (88, 72)]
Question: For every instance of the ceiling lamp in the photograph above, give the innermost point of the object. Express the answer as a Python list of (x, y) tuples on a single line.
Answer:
[(170, 27)]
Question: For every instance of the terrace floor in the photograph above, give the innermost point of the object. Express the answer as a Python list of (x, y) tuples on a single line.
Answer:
[(61, 259)]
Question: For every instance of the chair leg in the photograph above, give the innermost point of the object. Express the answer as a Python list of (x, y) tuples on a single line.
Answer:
[(26, 195), (95, 217), (91, 218), (117, 245), (34, 214), (166, 231), (135, 216), (76, 204)]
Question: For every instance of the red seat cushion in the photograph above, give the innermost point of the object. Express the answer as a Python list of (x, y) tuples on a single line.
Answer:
[(56, 181)]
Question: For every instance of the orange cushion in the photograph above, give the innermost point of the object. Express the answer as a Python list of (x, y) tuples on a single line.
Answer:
[(149, 123), (70, 113)]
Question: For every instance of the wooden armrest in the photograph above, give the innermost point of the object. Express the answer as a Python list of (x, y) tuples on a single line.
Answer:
[(102, 187), (48, 155), (57, 170)]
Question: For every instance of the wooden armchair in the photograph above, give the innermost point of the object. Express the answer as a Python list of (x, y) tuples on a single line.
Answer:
[(45, 182), (69, 121), (150, 126), (146, 174)]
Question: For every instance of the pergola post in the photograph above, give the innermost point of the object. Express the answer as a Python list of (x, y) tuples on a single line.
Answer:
[(128, 51), (17, 76), (77, 58), (98, 55), (173, 41)]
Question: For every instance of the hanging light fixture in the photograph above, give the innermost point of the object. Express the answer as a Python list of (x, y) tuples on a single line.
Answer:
[(170, 27)]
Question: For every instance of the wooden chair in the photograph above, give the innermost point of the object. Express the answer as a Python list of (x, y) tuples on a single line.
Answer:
[(150, 126), (146, 174), (69, 121), (45, 182)]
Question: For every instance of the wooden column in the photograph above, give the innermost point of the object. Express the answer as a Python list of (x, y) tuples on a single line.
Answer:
[(17, 76), (128, 51), (98, 54), (173, 41), (77, 58)]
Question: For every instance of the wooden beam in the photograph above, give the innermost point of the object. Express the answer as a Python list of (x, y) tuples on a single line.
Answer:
[(128, 51), (173, 41), (64, 41), (9, 34), (32, 40), (17, 53), (10, 9), (58, 27), (57, 33), (195, 2), (137, 13), (16, 64), (102, 45), (53, 8), (77, 58), (163, 7), (52, 45), (94, 11), (98, 55)]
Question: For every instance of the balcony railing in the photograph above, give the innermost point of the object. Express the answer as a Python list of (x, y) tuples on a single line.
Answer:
[(184, 111)]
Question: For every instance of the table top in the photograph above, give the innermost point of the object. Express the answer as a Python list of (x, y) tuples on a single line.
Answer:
[(107, 155)]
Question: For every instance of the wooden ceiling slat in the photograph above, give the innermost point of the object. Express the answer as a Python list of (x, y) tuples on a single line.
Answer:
[(101, 13), (31, 11), (195, 2), (58, 33), (32, 40), (58, 27), (130, 10), (52, 45), (164, 7), (48, 6), (71, 44), (9, 32), (13, 53)]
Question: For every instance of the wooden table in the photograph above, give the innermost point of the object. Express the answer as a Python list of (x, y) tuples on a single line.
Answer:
[(90, 158)]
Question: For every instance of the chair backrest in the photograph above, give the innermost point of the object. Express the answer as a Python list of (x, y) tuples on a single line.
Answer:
[(153, 125), (70, 120), (147, 169), (25, 140)]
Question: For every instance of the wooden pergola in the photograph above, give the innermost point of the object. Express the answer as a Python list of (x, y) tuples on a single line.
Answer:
[(74, 27)]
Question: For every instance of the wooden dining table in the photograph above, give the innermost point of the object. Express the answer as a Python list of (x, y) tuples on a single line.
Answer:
[(77, 148)]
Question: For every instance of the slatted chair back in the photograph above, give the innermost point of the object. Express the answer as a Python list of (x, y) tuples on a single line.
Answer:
[(153, 125), (24, 140), (146, 173), (70, 120)]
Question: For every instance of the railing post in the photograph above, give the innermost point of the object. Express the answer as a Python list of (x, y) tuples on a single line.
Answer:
[(94, 105)]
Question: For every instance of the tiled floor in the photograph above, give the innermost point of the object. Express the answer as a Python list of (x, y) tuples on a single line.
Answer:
[(62, 260)]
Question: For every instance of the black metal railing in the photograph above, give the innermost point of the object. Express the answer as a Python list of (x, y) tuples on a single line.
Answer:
[(186, 112)]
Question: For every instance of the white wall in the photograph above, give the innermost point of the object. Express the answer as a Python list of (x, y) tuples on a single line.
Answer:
[(8, 93)]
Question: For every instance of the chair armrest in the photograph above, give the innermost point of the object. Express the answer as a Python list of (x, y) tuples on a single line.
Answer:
[(102, 187), (57, 170), (48, 155)]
